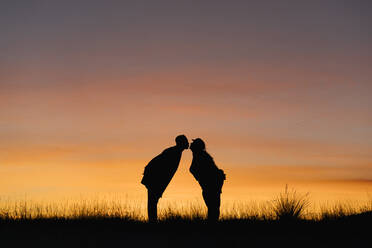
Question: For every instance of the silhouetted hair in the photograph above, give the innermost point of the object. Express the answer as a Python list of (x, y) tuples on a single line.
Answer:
[(181, 139), (198, 144)]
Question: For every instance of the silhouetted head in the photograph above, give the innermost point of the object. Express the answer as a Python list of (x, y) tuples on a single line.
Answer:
[(197, 145), (182, 141)]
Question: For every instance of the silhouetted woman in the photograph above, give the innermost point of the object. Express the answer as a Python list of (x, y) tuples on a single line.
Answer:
[(209, 177)]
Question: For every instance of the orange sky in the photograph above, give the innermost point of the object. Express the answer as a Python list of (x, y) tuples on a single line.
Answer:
[(281, 93)]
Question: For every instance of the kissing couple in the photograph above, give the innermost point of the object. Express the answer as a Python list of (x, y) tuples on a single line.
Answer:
[(160, 170)]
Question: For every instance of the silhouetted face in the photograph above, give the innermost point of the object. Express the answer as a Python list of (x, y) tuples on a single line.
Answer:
[(192, 146), (182, 142), (186, 145)]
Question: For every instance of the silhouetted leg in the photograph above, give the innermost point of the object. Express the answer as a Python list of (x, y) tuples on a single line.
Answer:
[(206, 200), (217, 206), (213, 201), (152, 206)]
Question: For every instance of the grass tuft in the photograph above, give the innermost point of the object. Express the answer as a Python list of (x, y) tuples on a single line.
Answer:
[(290, 205)]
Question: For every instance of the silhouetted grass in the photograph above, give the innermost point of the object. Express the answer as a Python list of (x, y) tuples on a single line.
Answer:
[(287, 206), (283, 222), (81, 209), (290, 205)]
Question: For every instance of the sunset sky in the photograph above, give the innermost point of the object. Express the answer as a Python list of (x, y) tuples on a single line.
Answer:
[(280, 91)]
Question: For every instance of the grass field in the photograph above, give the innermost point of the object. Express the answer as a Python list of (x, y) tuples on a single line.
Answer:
[(288, 205), (289, 220)]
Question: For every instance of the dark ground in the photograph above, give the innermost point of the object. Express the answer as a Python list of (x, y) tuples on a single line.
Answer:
[(352, 231)]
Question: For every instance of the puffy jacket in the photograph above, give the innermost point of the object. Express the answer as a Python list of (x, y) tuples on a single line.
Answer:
[(205, 171), (161, 169)]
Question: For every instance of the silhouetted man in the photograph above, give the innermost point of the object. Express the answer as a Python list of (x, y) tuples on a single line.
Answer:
[(159, 172), (209, 177)]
